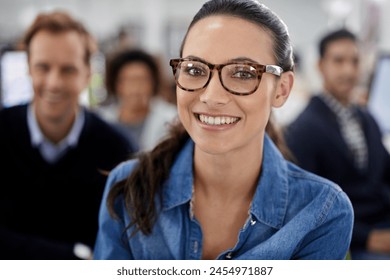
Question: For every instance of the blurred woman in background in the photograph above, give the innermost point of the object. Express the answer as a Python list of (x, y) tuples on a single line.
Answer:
[(133, 78)]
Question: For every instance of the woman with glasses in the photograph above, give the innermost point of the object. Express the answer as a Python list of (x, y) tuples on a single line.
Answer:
[(218, 188)]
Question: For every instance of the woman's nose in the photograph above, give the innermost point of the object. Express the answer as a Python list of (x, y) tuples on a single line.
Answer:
[(215, 94)]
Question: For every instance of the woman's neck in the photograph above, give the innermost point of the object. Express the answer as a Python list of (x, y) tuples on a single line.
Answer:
[(228, 177)]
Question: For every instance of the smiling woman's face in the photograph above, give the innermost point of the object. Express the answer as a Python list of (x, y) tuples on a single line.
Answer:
[(217, 120)]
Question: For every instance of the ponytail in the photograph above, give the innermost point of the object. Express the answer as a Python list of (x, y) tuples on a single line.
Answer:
[(145, 182)]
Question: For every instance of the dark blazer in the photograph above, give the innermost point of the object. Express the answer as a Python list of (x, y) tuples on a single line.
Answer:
[(45, 209), (317, 144)]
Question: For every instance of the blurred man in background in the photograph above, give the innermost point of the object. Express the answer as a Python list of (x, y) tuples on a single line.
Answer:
[(343, 143), (53, 152)]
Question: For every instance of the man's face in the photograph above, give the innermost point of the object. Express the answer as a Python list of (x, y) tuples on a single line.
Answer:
[(340, 68), (59, 74)]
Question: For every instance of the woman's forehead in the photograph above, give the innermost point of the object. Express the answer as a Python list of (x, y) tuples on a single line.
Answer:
[(227, 37)]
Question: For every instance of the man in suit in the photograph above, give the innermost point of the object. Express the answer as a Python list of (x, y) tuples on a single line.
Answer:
[(54, 154), (343, 143)]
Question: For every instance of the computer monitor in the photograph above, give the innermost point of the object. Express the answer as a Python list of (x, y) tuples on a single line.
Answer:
[(16, 87), (379, 95)]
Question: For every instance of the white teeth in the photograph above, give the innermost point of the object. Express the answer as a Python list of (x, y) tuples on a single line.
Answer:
[(217, 120)]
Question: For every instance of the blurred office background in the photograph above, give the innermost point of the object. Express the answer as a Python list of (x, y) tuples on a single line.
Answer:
[(158, 26)]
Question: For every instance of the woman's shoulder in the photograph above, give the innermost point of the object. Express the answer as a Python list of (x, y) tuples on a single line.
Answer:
[(318, 203), (122, 170), (299, 175), (311, 187)]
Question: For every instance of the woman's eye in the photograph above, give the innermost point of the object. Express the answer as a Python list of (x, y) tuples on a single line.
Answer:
[(244, 74), (194, 71)]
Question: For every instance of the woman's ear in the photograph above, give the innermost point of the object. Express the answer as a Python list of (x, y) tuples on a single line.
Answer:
[(283, 89)]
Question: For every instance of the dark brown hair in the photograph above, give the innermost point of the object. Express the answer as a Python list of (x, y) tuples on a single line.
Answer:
[(258, 14), (59, 22), (336, 35)]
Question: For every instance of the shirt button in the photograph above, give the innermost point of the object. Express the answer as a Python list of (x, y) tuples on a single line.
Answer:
[(229, 256), (253, 222)]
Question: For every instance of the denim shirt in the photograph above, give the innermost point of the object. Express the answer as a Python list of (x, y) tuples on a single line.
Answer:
[(294, 215)]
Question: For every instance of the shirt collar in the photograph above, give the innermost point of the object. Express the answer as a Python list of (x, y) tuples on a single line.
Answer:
[(336, 107), (38, 138), (270, 200)]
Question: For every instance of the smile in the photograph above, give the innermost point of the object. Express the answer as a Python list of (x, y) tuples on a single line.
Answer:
[(217, 120)]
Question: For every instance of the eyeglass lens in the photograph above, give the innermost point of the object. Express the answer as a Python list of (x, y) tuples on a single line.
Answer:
[(237, 78)]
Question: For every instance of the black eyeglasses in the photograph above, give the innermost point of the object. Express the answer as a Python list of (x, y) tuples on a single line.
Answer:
[(239, 78)]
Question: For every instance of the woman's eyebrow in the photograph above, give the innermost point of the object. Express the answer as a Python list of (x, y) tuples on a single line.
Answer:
[(236, 59), (195, 58), (243, 59)]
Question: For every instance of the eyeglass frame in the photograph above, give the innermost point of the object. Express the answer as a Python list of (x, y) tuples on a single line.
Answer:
[(260, 68)]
